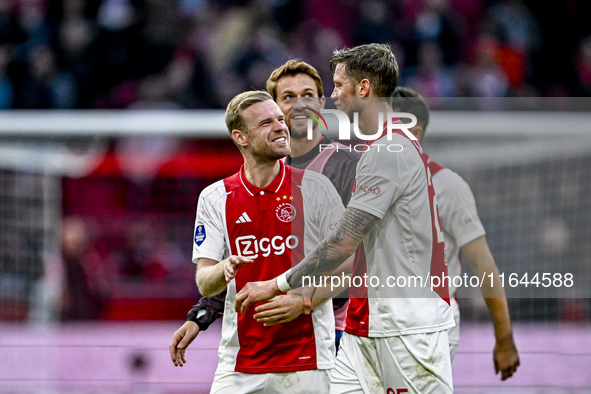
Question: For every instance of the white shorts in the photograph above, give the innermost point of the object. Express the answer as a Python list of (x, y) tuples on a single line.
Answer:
[(316, 381), (417, 363), (454, 332)]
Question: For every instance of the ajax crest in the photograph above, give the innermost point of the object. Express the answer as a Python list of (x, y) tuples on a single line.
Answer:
[(285, 212)]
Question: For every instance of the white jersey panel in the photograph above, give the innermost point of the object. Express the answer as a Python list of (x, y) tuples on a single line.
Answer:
[(459, 217), (323, 208), (229, 343), (394, 187)]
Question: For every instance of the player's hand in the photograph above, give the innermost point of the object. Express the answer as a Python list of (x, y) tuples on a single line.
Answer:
[(506, 357), (254, 292), (282, 309), (181, 339), (232, 264)]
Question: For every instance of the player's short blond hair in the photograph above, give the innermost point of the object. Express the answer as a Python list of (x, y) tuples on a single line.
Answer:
[(293, 67), (233, 117)]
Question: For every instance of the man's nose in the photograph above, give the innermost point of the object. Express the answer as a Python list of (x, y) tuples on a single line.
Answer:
[(279, 125), (298, 102)]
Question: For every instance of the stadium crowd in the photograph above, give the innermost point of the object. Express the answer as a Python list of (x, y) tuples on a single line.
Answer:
[(198, 53)]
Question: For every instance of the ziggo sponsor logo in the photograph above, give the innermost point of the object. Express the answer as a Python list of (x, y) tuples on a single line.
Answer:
[(249, 246)]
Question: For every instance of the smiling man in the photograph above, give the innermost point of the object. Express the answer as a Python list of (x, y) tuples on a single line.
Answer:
[(249, 227), (296, 87)]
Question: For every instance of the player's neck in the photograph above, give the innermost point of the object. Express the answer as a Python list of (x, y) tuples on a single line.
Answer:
[(300, 147), (369, 119), (260, 173)]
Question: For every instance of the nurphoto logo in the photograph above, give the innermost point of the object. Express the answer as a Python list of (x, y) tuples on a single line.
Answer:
[(393, 122)]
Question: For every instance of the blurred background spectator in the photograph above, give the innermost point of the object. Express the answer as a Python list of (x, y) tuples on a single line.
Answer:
[(198, 53), (84, 272)]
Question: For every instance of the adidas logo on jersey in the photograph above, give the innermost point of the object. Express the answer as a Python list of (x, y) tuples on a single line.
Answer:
[(243, 218)]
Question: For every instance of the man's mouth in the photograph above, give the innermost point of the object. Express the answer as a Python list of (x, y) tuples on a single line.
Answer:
[(300, 117), (280, 139)]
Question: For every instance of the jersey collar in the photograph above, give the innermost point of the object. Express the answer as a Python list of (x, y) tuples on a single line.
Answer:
[(272, 187), (302, 161)]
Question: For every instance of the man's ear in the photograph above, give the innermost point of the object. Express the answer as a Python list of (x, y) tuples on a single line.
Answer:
[(322, 101), (240, 137), (418, 132), (363, 88)]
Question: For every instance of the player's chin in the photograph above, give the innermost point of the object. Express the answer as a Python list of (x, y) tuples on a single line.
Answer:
[(278, 154), (298, 133)]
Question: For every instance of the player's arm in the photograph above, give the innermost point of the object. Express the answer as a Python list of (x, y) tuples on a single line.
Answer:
[(199, 318), (213, 276), (181, 339), (505, 355), (287, 307), (334, 250), (328, 255)]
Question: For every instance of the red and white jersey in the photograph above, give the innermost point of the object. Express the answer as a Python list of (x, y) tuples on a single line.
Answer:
[(394, 184), (459, 217), (274, 226)]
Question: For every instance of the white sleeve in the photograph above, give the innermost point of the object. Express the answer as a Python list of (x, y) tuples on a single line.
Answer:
[(325, 203), (457, 207), (209, 235), (332, 209)]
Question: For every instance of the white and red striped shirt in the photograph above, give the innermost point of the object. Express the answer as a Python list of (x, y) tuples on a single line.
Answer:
[(275, 226), (395, 185)]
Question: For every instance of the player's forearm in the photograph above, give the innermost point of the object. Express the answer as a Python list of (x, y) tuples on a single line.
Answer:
[(499, 313), (317, 263), (333, 251), (329, 289), (483, 264), (494, 296), (210, 279)]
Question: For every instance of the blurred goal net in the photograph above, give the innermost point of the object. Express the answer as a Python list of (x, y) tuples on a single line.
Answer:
[(125, 184)]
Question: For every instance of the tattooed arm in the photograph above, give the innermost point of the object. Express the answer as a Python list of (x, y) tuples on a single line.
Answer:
[(331, 252), (323, 260)]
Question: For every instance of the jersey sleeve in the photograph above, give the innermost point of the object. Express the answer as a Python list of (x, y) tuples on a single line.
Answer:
[(327, 204), (378, 182), (331, 208), (209, 231), (457, 208)]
